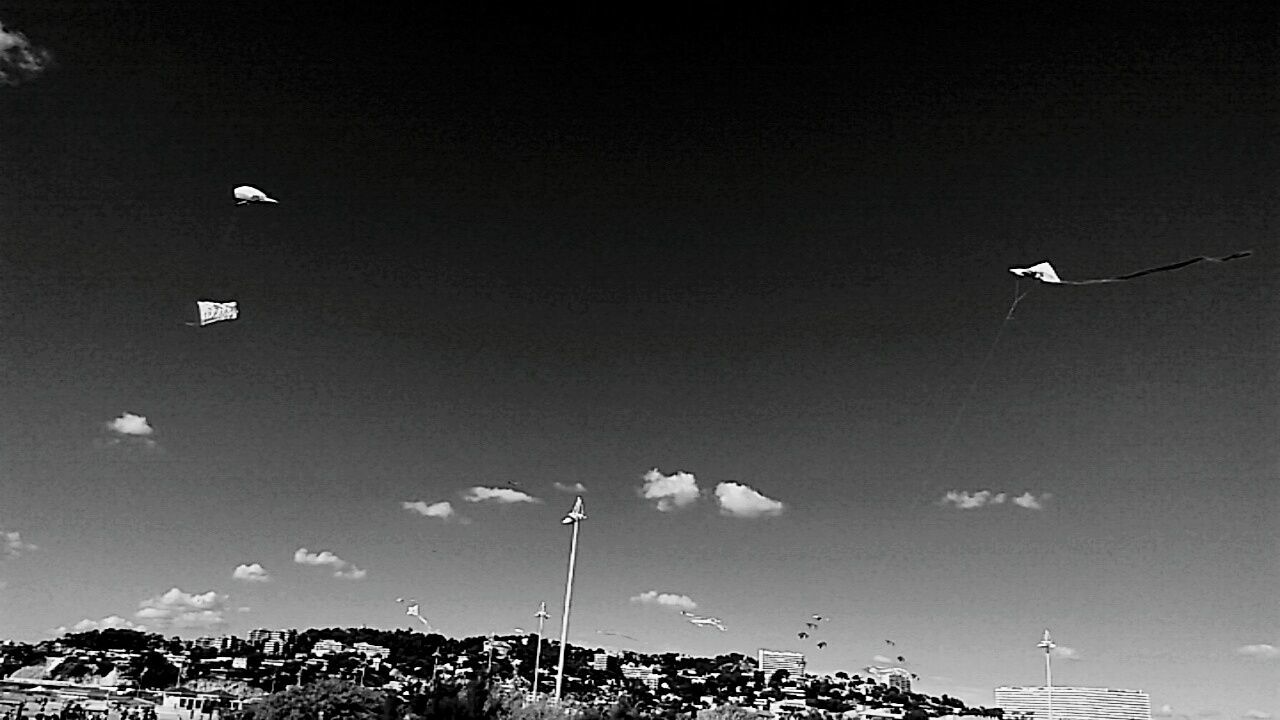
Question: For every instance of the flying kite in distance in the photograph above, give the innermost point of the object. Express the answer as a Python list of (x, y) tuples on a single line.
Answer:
[(413, 610), (1045, 273), (246, 194), (704, 621), (802, 635), (822, 644), (212, 312)]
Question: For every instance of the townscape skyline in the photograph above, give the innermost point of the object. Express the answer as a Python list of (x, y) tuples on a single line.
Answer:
[(739, 280)]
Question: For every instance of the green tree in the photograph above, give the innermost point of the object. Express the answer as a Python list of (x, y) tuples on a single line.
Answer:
[(153, 671), (328, 699)]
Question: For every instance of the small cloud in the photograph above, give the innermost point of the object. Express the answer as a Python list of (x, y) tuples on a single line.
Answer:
[(12, 545), (1031, 502), (244, 609), (130, 424), (112, 622), (1256, 715), (351, 573), (575, 488), (965, 500), (500, 495), (129, 430), (653, 597), (443, 510), (882, 660), (175, 610), (1066, 653), (1165, 710), (1259, 652), (738, 500), (670, 491), (341, 568), (20, 60), (251, 573)]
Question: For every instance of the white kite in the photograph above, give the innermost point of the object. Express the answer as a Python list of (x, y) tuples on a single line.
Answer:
[(704, 621), (414, 611), (212, 312), (576, 514), (1045, 273), (246, 194)]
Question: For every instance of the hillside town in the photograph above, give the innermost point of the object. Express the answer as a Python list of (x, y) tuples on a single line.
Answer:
[(121, 674)]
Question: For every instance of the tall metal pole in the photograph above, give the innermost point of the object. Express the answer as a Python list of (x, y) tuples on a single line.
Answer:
[(1048, 645), (574, 518), (537, 659)]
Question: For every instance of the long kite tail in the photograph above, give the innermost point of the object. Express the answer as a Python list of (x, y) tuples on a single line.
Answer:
[(949, 434), (1162, 268)]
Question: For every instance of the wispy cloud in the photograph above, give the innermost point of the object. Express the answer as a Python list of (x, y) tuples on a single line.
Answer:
[(1066, 653), (442, 510), (965, 500), (576, 487), (1165, 710), (500, 495), (178, 610), (341, 568), (653, 597), (882, 660), (112, 622), (13, 546), (253, 573), (1256, 715), (670, 492), (1031, 502), (1259, 652), (739, 500), (20, 59)]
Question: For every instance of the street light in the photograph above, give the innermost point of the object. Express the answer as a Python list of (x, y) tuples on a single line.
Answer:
[(1048, 645), (574, 518), (537, 658)]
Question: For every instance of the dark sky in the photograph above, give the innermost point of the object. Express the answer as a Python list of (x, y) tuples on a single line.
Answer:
[(768, 248)]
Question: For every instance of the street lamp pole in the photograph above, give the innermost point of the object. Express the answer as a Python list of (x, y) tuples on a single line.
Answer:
[(574, 518), (537, 658), (1048, 645)]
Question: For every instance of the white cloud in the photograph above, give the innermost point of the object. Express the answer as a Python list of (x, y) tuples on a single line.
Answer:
[(351, 572), (12, 545), (1260, 652), (176, 609), (443, 509), (1066, 653), (341, 568), (251, 573), (113, 622), (502, 495), (882, 660), (1031, 502), (130, 424), (576, 487), (739, 500), (653, 597), (1256, 715), (965, 500), (20, 60), (670, 491)]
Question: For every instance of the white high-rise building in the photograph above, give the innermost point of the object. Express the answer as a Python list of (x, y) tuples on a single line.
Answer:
[(770, 661), (1075, 703)]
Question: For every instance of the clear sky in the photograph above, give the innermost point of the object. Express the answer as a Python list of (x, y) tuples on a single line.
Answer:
[(518, 250)]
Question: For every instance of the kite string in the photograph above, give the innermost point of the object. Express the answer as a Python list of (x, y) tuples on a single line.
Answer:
[(977, 378)]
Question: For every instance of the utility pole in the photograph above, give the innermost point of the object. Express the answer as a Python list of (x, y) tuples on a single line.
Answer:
[(574, 518)]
